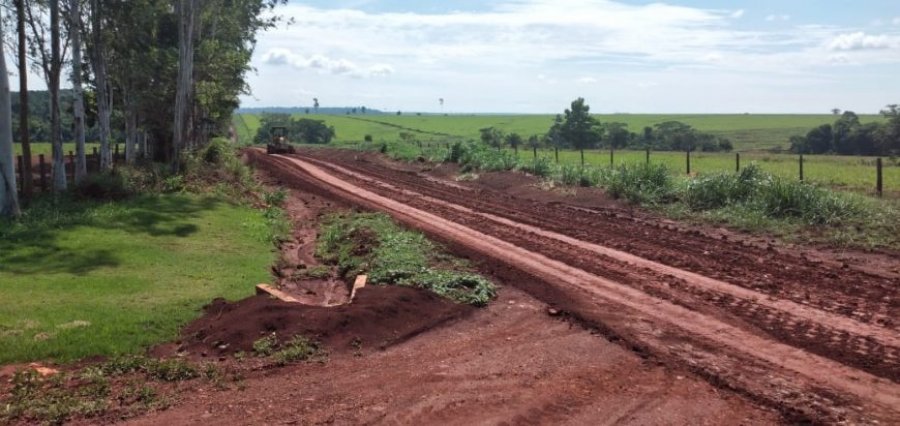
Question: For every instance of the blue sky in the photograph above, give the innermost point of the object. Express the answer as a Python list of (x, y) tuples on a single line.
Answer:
[(535, 56)]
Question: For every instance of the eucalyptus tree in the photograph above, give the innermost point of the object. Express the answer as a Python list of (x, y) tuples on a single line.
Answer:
[(9, 203), (99, 55), (49, 52), (24, 136), (75, 30)]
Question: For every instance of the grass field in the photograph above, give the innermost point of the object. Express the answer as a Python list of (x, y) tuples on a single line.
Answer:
[(113, 278), (747, 132), (46, 148)]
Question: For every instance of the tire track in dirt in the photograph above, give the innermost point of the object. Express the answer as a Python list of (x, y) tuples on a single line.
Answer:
[(860, 295), (850, 342), (663, 322)]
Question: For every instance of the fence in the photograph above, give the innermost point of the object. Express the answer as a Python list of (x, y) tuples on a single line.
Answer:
[(41, 166)]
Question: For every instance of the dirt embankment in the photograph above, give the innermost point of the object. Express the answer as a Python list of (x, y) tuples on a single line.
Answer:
[(813, 339)]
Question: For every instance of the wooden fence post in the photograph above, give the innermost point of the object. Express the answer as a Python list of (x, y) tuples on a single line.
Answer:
[(556, 152), (648, 155), (611, 155), (801, 167), (689, 161), (737, 162), (42, 168), (71, 166), (879, 178), (20, 162)]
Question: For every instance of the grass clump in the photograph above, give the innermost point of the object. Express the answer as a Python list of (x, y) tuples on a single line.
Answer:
[(298, 348), (640, 183), (375, 245), (166, 370)]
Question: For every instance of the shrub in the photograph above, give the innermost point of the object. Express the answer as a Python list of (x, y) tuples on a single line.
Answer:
[(104, 186), (785, 198), (641, 183), (720, 190), (539, 167)]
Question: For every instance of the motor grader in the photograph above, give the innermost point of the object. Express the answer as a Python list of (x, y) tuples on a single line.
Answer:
[(279, 143)]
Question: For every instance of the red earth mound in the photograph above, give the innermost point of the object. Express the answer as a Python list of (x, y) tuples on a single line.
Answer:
[(379, 317)]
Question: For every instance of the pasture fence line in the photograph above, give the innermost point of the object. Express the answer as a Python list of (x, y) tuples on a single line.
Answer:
[(42, 171)]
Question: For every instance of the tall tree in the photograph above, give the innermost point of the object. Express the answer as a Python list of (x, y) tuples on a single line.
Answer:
[(50, 55), (580, 128), (74, 21), (184, 88), (99, 54), (9, 203), (27, 184)]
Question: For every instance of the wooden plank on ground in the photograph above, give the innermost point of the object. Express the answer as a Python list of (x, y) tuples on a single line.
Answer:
[(358, 284), (278, 294)]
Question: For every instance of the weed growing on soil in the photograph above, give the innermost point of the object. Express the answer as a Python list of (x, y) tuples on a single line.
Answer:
[(266, 345), (298, 348), (91, 392), (374, 244)]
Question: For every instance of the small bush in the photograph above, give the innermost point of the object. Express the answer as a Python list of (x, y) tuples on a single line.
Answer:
[(104, 186), (298, 348), (266, 345), (541, 167), (642, 183), (784, 198), (217, 150), (720, 190)]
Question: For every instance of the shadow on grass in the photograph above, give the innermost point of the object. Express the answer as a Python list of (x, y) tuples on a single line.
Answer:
[(33, 245)]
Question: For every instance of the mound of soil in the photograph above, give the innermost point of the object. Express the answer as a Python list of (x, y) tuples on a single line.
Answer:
[(379, 317)]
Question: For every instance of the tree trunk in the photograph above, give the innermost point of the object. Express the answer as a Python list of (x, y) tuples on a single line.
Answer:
[(59, 161), (9, 202), (104, 98), (131, 132), (184, 90), (27, 184), (78, 102)]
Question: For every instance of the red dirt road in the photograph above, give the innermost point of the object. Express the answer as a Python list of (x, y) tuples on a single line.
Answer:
[(816, 340)]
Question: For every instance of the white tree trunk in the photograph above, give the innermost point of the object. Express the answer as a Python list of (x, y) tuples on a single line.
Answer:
[(9, 202), (59, 161), (78, 102), (184, 90), (104, 99)]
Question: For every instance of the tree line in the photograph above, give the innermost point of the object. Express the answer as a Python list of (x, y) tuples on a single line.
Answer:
[(848, 136), (166, 73), (298, 130), (577, 129)]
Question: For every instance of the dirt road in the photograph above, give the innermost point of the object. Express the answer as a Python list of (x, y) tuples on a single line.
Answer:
[(812, 338)]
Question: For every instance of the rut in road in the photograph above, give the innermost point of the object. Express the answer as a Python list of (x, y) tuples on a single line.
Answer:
[(723, 348), (847, 339)]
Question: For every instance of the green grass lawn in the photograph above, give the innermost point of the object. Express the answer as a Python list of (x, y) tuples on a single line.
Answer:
[(747, 132), (46, 148), (84, 279)]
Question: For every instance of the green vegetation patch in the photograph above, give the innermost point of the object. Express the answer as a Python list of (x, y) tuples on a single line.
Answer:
[(373, 244), (80, 278)]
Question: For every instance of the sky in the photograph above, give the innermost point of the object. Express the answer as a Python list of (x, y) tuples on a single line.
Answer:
[(627, 56)]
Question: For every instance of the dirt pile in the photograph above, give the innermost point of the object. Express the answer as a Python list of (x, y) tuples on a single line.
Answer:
[(379, 317)]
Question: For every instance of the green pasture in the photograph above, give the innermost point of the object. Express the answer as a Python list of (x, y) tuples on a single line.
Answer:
[(747, 132), (46, 149), (80, 279)]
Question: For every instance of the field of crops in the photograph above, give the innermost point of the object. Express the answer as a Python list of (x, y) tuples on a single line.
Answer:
[(747, 132)]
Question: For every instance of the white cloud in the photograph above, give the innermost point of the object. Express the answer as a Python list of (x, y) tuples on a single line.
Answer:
[(896, 21), (774, 18), (862, 41), (587, 80), (737, 13), (325, 64)]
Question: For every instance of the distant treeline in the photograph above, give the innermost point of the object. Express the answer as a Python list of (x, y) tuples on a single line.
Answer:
[(847, 136), (39, 116), (312, 110), (299, 130)]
